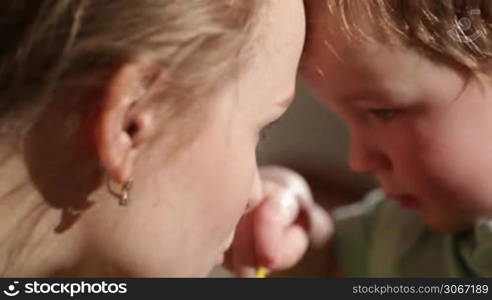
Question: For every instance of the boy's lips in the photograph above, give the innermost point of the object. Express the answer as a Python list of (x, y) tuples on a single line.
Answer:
[(406, 200)]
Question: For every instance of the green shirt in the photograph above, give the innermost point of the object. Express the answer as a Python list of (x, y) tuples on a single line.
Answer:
[(379, 238)]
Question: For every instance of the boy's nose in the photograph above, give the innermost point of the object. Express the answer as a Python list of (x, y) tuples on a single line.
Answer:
[(367, 158)]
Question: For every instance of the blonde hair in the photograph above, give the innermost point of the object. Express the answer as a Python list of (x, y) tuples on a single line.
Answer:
[(48, 44), (457, 32)]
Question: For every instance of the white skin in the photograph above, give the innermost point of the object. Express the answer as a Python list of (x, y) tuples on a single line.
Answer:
[(417, 125), (185, 203)]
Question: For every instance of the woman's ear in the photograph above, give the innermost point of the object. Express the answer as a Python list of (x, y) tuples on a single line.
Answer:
[(123, 124)]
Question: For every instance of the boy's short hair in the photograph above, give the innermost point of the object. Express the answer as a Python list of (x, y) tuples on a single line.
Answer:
[(457, 32)]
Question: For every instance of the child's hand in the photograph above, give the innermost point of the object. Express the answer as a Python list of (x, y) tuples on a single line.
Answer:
[(276, 233)]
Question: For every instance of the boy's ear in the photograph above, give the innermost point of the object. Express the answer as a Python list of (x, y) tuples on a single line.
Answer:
[(123, 124)]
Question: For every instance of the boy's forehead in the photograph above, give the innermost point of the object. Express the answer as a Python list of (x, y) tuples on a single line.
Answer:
[(327, 42), (329, 46), (340, 23), (334, 51), (352, 69)]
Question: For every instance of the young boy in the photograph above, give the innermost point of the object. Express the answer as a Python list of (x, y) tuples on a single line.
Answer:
[(411, 80)]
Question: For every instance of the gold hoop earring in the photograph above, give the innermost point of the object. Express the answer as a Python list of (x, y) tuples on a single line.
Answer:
[(124, 195)]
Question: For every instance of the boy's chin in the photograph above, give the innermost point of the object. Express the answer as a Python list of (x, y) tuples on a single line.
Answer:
[(447, 225)]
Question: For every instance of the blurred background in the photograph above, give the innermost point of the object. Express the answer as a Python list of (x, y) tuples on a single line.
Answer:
[(312, 141)]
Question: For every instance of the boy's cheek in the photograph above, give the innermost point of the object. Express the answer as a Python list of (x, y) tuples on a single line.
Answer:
[(318, 83), (311, 77)]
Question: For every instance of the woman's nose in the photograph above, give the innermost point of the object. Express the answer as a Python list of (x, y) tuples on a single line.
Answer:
[(256, 192), (366, 157)]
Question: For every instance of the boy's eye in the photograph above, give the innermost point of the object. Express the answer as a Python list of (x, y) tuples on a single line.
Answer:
[(385, 114)]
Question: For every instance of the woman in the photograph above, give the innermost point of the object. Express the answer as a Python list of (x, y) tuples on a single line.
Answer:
[(129, 131)]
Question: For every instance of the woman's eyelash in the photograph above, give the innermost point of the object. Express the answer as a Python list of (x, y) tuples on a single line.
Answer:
[(265, 132), (263, 135)]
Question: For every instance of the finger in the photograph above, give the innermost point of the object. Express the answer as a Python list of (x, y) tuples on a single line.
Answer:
[(294, 243), (319, 223), (271, 220), (321, 227), (290, 180)]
